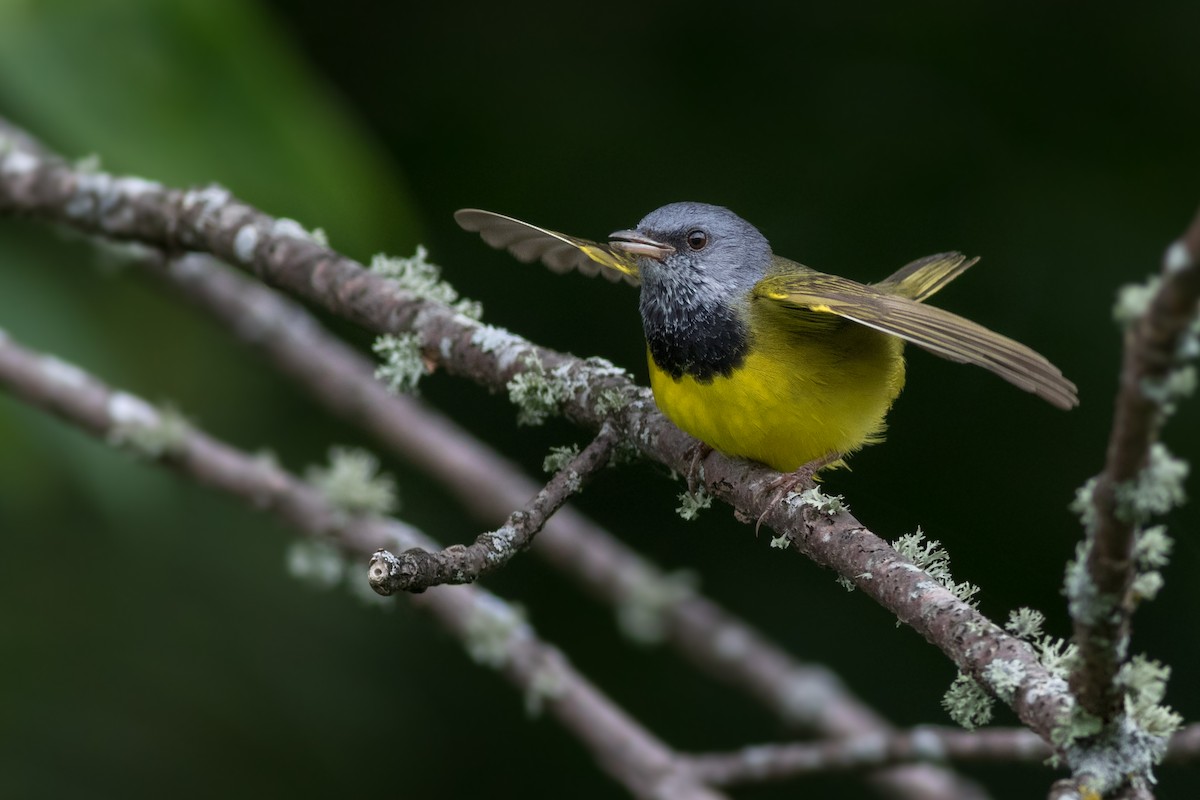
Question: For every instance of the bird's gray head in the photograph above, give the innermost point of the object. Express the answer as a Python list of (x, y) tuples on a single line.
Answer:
[(699, 244), (697, 264)]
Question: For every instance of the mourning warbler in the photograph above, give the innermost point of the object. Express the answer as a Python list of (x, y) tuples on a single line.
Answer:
[(761, 357)]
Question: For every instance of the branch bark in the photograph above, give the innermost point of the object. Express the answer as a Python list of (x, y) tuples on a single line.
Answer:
[(929, 743), (779, 762), (416, 570), (629, 753), (804, 695), (1103, 609), (211, 220)]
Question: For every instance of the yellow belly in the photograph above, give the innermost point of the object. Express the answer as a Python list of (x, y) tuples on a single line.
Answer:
[(795, 398)]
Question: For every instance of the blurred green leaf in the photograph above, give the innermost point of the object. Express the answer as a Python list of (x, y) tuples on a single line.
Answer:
[(198, 91)]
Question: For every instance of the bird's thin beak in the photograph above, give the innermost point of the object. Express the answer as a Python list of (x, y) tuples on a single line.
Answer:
[(638, 244)]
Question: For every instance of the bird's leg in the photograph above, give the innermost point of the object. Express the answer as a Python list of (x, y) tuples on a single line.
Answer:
[(700, 452), (786, 483)]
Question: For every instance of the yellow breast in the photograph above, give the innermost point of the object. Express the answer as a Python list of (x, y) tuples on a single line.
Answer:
[(799, 395)]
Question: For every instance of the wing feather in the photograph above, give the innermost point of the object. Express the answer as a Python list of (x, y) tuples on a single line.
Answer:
[(558, 251), (940, 332)]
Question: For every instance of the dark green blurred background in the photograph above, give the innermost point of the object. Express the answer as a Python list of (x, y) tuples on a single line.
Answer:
[(152, 641)]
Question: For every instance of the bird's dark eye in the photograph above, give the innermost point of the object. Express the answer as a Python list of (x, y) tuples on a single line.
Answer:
[(697, 239)]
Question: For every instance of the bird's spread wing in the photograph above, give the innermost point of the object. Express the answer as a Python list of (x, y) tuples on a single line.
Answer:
[(940, 332), (924, 277), (558, 251)]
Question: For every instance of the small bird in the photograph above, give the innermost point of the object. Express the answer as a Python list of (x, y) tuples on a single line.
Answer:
[(761, 357)]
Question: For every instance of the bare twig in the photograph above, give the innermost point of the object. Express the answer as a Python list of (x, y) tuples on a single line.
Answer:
[(1103, 608), (213, 221), (492, 630), (805, 695), (778, 762), (416, 570)]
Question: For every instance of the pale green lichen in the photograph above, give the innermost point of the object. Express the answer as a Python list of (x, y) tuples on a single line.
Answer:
[(1084, 504), (1157, 489), (1145, 685), (403, 363), (1058, 656), (546, 684), (850, 586), (1151, 552), (644, 605), (967, 702), (491, 628), (1117, 755), (781, 542), (1189, 342), (1133, 300), (1176, 385), (1146, 585), (1085, 601), (500, 541), (89, 164), (1005, 677), (829, 505), (316, 562), (1026, 623), (417, 275), (598, 367), (491, 339), (1160, 722), (933, 558), (1178, 257), (1152, 547), (537, 393), (162, 432), (611, 401), (624, 452), (352, 483), (560, 457), (1074, 725), (293, 229), (690, 505)]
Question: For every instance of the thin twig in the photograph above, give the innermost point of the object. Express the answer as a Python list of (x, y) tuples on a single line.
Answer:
[(1152, 344), (778, 762), (629, 753), (213, 221), (926, 743), (416, 570)]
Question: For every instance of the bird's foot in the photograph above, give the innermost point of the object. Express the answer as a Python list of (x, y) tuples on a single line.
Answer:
[(805, 478), (700, 452)]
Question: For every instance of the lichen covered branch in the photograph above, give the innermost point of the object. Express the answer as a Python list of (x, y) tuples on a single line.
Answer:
[(651, 608), (493, 631), (213, 221), (779, 762), (416, 570), (1102, 601), (927, 743)]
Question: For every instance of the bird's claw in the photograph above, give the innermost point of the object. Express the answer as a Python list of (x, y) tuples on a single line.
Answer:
[(700, 452), (785, 484)]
